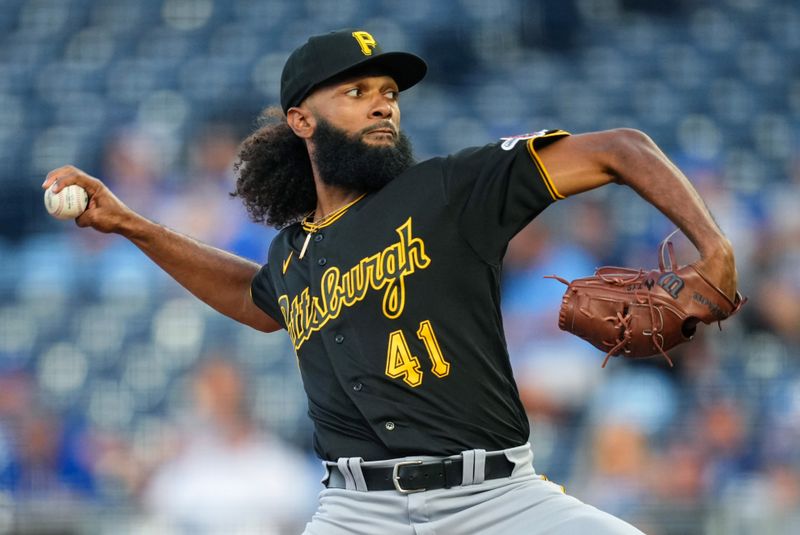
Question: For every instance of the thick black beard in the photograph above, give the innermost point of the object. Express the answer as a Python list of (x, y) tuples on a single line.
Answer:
[(347, 162)]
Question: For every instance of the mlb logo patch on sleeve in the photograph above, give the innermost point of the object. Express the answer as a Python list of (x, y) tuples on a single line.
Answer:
[(511, 141)]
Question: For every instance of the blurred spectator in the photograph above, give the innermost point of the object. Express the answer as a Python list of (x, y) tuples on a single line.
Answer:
[(227, 476), (135, 166), (555, 373), (201, 202), (44, 457), (618, 459), (676, 475), (778, 305), (45, 463), (529, 299)]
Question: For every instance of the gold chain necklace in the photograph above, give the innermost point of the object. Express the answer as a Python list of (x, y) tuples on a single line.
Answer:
[(313, 226)]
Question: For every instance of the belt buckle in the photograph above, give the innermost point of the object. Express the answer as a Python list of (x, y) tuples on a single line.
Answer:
[(396, 477)]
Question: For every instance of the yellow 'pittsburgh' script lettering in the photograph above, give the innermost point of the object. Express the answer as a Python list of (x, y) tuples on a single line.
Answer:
[(385, 270)]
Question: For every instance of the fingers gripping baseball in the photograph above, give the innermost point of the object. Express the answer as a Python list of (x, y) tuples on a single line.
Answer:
[(105, 212)]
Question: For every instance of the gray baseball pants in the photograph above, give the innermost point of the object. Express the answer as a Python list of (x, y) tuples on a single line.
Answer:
[(524, 503)]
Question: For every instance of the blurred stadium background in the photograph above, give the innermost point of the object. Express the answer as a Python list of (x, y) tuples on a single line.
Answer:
[(118, 412)]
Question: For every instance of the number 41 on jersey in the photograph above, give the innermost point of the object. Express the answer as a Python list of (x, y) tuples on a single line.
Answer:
[(400, 362)]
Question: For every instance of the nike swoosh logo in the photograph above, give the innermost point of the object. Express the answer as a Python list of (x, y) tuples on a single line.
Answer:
[(286, 262)]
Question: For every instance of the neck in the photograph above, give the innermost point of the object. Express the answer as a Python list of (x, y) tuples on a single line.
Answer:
[(330, 198)]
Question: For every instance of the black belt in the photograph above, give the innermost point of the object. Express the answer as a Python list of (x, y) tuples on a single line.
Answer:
[(416, 476)]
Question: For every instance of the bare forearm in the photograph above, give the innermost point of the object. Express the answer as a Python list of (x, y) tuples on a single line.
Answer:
[(588, 161), (642, 166), (218, 278)]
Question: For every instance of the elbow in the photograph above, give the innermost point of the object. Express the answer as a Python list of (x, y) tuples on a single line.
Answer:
[(263, 323), (632, 138), (627, 149), (252, 316)]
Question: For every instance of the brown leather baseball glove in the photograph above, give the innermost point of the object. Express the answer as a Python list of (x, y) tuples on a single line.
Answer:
[(637, 313)]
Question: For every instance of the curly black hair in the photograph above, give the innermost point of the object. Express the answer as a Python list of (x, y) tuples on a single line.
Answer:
[(273, 173)]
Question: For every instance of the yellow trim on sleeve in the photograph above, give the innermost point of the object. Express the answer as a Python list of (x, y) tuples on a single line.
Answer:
[(548, 182)]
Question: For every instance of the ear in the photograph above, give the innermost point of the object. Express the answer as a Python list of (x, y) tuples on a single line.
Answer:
[(301, 121)]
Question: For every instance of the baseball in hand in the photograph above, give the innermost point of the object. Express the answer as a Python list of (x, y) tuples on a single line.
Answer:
[(68, 203)]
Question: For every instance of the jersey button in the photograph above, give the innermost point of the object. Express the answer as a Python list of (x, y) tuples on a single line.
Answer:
[(318, 237), (357, 387), (339, 338), (322, 261), (389, 426)]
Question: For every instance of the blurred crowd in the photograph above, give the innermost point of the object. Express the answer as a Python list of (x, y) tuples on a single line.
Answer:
[(128, 407)]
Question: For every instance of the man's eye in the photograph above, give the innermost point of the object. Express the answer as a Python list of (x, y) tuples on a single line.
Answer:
[(393, 94), (353, 92)]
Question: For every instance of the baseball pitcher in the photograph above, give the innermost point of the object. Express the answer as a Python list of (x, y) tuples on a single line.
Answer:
[(386, 275)]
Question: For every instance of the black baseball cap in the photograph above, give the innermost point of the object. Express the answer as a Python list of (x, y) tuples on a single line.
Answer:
[(343, 52)]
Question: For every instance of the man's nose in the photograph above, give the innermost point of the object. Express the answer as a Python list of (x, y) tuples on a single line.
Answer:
[(382, 109)]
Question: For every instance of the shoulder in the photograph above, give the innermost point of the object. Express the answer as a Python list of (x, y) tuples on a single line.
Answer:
[(425, 166), (507, 147), (419, 175), (285, 234)]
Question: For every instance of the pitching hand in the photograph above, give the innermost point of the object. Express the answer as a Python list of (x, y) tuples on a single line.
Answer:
[(105, 212)]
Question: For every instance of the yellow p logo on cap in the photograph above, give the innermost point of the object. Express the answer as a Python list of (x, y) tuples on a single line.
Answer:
[(366, 42)]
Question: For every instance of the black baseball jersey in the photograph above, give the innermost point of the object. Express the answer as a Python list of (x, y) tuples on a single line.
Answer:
[(394, 309)]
